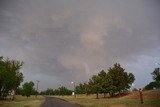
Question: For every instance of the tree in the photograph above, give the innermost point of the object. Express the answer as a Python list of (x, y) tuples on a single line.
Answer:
[(121, 79), (10, 76), (152, 85), (16, 77), (156, 74), (80, 89), (102, 74), (28, 88), (156, 78), (49, 91), (107, 85), (19, 91), (2, 75), (94, 84), (56, 92), (64, 91)]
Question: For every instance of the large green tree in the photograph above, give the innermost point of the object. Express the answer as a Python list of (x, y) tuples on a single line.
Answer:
[(121, 79), (10, 76)]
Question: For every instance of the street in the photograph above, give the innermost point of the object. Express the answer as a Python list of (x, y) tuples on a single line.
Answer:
[(55, 102)]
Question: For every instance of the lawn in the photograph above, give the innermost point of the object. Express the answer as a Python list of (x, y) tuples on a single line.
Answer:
[(23, 102), (90, 101)]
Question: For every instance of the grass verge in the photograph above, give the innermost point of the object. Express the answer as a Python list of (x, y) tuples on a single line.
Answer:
[(21, 101), (110, 102)]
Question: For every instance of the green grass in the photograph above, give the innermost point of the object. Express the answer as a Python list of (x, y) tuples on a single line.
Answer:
[(23, 102), (110, 102)]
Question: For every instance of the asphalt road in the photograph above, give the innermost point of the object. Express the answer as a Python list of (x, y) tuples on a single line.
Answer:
[(55, 102)]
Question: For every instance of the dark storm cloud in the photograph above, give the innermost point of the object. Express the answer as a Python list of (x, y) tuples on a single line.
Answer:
[(65, 40)]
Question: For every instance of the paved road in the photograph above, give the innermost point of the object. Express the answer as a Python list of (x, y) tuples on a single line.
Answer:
[(55, 102)]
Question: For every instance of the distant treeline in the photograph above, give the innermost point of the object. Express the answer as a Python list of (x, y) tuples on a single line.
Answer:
[(114, 80), (60, 91)]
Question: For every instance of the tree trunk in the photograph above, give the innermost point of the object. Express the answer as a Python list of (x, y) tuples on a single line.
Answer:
[(86, 94), (96, 95), (0, 92), (111, 94), (119, 93), (14, 93), (104, 95)]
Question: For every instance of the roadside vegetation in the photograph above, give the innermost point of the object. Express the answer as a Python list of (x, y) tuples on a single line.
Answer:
[(21, 101), (10, 77), (151, 99), (27, 89), (11, 94)]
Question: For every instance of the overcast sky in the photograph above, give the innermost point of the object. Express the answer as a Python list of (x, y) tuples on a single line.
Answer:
[(70, 40)]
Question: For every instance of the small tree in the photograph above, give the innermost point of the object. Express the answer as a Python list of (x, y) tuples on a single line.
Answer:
[(28, 88)]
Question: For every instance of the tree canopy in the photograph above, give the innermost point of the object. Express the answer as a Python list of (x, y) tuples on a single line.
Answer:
[(28, 88)]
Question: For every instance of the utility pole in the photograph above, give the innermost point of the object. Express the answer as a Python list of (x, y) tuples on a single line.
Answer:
[(37, 87)]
